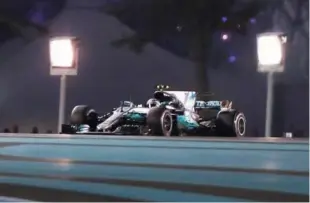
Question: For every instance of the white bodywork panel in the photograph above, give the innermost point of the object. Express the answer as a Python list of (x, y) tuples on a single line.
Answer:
[(142, 110), (118, 113), (188, 98)]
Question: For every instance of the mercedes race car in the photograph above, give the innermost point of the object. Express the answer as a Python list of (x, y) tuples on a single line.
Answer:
[(168, 113)]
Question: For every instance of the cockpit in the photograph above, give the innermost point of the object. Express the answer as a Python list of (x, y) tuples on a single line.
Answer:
[(152, 103), (163, 96)]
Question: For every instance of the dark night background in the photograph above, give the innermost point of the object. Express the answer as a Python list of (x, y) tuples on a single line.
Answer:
[(29, 95)]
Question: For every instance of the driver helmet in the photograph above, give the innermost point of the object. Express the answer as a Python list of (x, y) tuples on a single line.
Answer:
[(152, 103)]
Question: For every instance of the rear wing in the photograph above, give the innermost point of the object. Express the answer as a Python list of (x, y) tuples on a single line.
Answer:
[(206, 94), (218, 104)]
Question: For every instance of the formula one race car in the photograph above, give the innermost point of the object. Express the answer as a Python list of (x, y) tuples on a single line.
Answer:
[(167, 113)]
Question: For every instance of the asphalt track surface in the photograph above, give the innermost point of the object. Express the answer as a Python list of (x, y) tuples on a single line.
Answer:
[(131, 168)]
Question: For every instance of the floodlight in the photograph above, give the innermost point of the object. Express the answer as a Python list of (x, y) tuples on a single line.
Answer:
[(62, 52), (271, 56), (63, 62), (269, 50)]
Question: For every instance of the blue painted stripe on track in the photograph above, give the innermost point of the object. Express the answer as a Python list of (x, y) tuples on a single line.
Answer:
[(282, 183), (163, 143), (119, 191), (284, 160)]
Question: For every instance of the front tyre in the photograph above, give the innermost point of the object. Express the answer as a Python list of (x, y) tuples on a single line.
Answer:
[(231, 124), (161, 122), (83, 114), (167, 123)]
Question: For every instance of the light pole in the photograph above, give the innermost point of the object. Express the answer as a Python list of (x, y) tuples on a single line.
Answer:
[(63, 62), (271, 56)]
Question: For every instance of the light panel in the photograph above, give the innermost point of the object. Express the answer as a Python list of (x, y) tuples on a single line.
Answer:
[(269, 50), (62, 52)]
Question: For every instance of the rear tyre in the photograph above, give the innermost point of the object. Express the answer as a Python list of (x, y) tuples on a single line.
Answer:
[(231, 124)]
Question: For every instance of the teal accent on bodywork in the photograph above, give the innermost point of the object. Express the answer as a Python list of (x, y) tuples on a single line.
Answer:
[(163, 104), (136, 116), (186, 122), (83, 129)]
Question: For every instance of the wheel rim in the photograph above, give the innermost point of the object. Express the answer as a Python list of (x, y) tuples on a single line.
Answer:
[(241, 126), (166, 123)]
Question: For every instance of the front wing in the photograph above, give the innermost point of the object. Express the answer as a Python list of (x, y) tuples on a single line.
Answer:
[(71, 129)]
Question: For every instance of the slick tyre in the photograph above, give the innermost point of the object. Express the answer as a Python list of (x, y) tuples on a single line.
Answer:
[(83, 114), (231, 124), (161, 122)]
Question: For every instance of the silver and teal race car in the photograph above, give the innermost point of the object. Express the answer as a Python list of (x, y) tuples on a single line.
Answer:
[(168, 113)]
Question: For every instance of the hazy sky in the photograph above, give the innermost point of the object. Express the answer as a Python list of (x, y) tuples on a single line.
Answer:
[(29, 95)]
